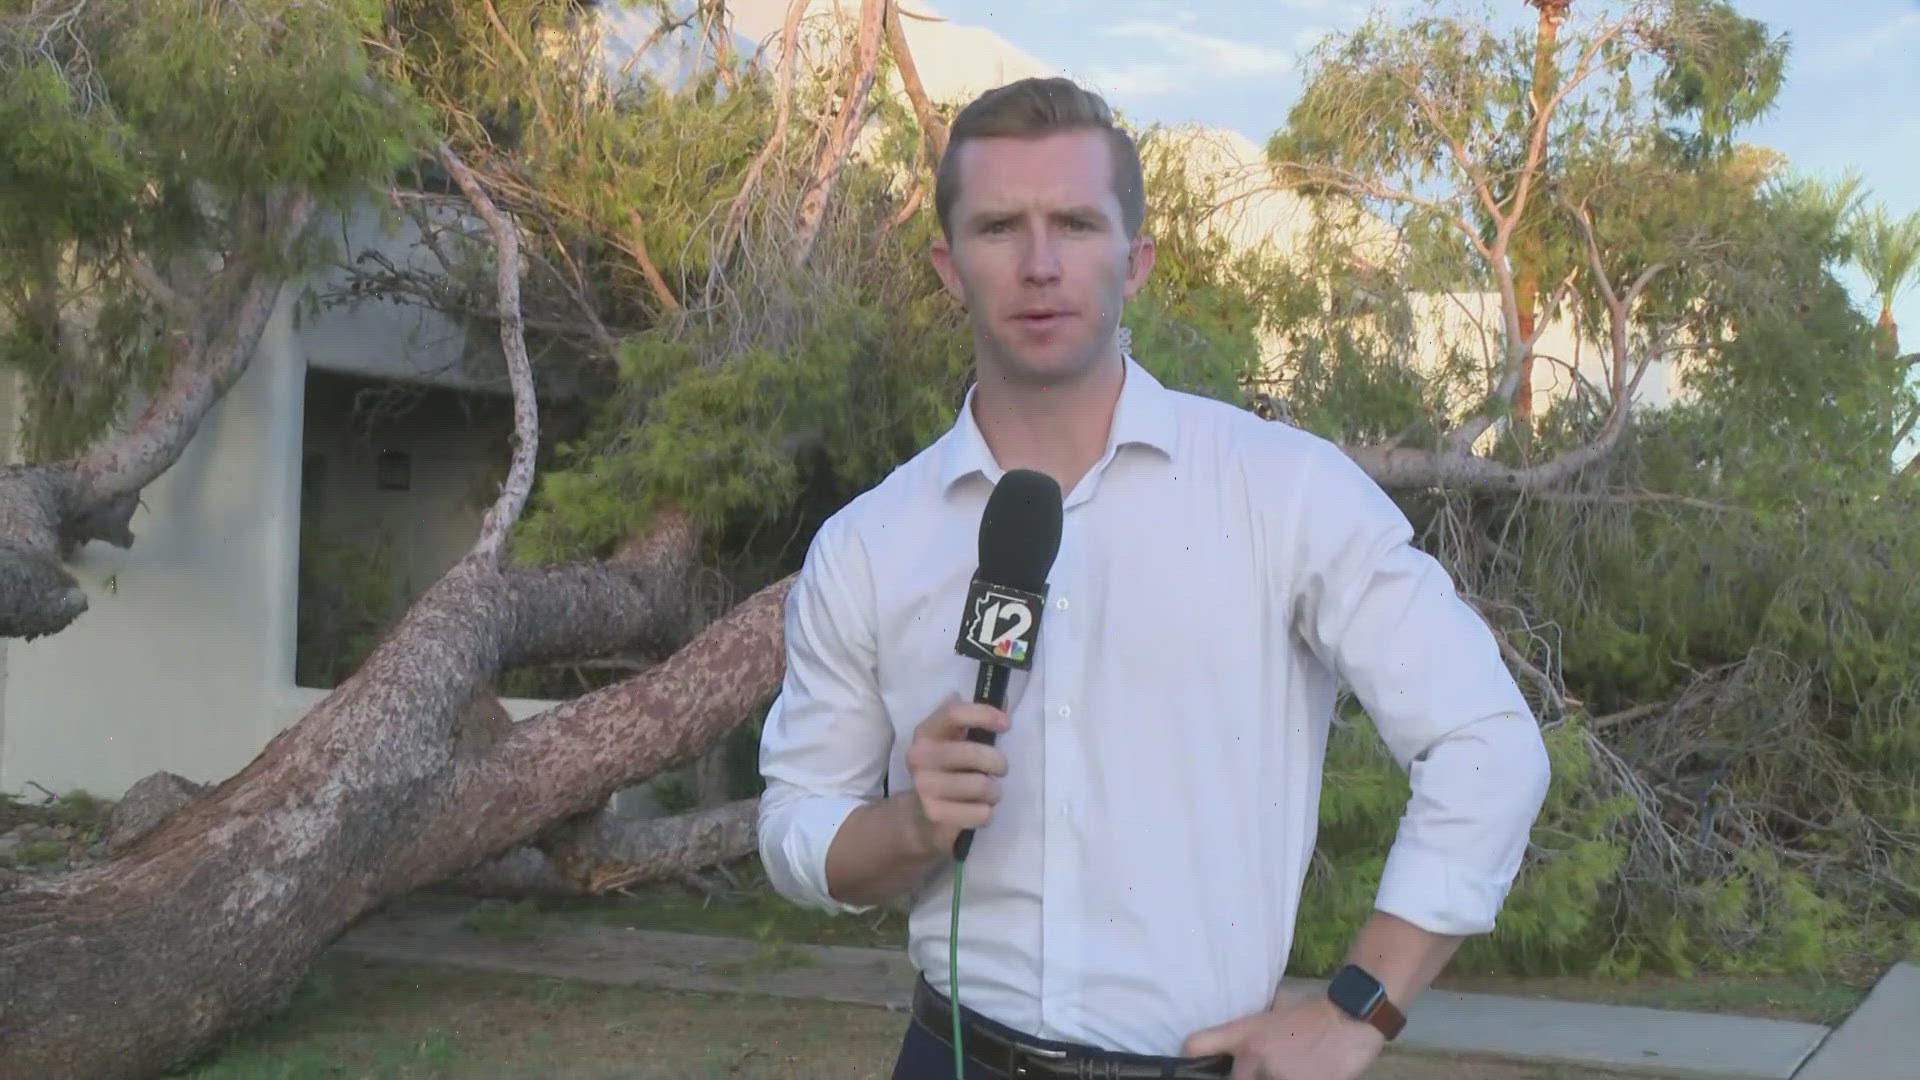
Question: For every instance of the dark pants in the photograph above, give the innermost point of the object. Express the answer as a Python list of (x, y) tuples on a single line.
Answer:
[(924, 1057), (927, 1056)]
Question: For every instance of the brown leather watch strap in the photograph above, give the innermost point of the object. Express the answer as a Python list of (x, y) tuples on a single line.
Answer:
[(1388, 1018)]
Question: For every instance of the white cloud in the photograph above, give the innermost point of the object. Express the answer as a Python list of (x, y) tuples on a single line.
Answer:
[(1135, 79), (1206, 54)]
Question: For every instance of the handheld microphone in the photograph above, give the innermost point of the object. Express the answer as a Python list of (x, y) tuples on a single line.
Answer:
[(1000, 625)]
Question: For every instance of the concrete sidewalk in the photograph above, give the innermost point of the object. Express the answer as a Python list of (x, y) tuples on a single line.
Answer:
[(1880, 1039), (1647, 1041)]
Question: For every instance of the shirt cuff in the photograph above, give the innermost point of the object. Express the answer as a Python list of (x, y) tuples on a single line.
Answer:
[(794, 838), (1433, 892)]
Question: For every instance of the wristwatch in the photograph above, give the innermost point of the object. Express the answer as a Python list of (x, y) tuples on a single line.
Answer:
[(1361, 996)]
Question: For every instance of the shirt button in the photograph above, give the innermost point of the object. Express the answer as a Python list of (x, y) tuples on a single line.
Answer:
[(1061, 603), (1064, 711)]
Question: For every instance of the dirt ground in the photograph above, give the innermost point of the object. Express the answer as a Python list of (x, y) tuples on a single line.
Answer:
[(364, 1018)]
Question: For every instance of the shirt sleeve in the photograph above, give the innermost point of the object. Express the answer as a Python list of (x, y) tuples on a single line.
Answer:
[(826, 740), (1387, 618)]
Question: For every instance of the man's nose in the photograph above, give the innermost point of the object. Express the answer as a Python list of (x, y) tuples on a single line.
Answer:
[(1041, 260)]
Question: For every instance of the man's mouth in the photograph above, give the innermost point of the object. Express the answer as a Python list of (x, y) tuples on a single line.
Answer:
[(1041, 318)]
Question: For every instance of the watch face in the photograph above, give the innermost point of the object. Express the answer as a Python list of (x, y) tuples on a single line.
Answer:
[(1355, 991)]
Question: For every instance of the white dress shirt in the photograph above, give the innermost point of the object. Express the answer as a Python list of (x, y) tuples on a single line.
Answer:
[(1218, 575)]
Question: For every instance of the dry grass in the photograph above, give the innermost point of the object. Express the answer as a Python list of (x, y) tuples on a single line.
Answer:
[(363, 1018)]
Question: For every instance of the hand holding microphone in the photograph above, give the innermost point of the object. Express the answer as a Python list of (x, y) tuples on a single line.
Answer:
[(955, 778)]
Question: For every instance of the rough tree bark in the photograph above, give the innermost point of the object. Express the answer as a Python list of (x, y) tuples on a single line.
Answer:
[(389, 784), (47, 510)]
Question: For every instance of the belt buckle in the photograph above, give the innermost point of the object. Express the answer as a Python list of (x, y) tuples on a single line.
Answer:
[(1021, 1055)]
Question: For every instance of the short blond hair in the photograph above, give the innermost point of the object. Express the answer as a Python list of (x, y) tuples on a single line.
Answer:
[(1034, 107)]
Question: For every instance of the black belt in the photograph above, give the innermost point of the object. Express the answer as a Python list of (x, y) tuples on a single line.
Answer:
[(1015, 1059)]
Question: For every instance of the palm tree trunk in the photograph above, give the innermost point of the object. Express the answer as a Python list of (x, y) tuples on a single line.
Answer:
[(1527, 254)]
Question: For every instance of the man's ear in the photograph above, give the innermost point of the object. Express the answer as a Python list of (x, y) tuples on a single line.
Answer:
[(943, 265), (1140, 256)]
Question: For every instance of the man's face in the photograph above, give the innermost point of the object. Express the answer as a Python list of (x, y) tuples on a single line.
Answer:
[(1040, 255)]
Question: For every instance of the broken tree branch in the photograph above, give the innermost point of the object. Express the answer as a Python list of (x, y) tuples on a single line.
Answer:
[(1463, 438), (783, 109), (185, 315), (583, 610), (853, 113), (1410, 467), (636, 247), (1625, 716), (601, 852), (931, 128), (526, 419), (122, 466), (49, 509)]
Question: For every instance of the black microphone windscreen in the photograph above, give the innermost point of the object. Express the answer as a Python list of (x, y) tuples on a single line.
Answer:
[(1020, 530)]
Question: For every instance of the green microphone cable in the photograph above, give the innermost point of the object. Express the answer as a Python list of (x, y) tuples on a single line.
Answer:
[(953, 975), (1000, 625)]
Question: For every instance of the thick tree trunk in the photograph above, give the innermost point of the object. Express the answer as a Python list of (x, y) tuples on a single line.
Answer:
[(206, 923), (1527, 289)]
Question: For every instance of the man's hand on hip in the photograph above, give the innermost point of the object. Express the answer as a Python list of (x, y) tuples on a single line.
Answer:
[(1306, 1038)]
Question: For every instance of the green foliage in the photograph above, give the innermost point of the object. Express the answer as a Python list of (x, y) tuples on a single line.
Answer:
[(61, 173), (254, 101), (153, 133), (1721, 68), (1556, 914), (1887, 250), (1757, 601), (673, 792)]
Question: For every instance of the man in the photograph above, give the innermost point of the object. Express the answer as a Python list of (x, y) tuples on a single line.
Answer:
[(1147, 813)]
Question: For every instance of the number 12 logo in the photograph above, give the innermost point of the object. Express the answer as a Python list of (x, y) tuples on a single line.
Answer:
[(1011, 641), (1002, 624)]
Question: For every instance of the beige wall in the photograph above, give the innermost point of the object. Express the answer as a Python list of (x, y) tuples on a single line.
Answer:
[(191, 629), (394, 341)]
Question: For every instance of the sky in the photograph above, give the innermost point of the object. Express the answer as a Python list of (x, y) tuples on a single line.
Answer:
[(1851, 98)]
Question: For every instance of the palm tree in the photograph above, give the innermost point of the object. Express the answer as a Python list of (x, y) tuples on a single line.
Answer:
[(1887, 250), (1527, 255)]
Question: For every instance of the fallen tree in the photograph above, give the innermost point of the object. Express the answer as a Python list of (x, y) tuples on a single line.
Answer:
[(394, 781)]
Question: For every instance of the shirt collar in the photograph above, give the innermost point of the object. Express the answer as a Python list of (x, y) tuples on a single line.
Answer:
[(1144, 415)]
